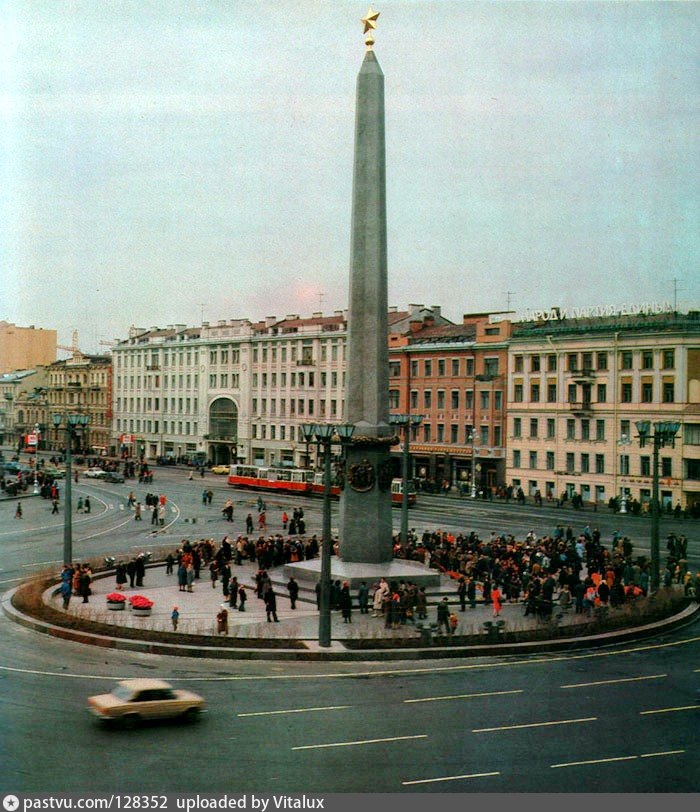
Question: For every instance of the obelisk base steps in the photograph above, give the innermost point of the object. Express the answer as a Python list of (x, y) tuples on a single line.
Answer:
[(395, 570)]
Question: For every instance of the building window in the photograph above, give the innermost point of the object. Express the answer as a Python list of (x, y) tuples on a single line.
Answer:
[(484, 431), (569, 462), (534, 393), (517, 363), (551, 393), (647, 391), (455, 367), (534, 363), (470, 367), (414, 399), (454, 399), (602, 393), (441, 367), (666, 469), (426, 432), (645, 466), (626, 359), (572, 361), (414, 369), (454, 433), (516, 458), (441, 398), (491, 366), (570, 429), (393, 398), (669, 359), (533, 427), (624, 464), (533, 459), (484, 400), (602, 360), (497, 436), (600, 463), (626, 393), (600, 429), (517, 427), (647, 359), (498, 400), (440, 433), (428, 369), (587, 359), (585, 429), (551, 428), (668, 392), (585, 463), (518, 393), (550, 461), (428, 398), (469, 400), (551, 363), (394, 369)]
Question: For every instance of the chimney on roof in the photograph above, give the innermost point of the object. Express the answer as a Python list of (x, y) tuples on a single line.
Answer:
[(270, 320), (437, 311), (317, 315), (414, 308), (292, 317)]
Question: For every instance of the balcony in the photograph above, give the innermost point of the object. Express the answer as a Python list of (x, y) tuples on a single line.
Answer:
[(586, 374), (153, 368), (581, 407)]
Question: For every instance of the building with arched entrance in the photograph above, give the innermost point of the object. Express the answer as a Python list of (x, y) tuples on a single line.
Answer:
[(222, 439)]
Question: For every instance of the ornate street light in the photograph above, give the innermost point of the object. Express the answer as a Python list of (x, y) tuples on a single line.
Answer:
[(664, 434), (323, 435), (72, 423), (623, 441), (406, 422)]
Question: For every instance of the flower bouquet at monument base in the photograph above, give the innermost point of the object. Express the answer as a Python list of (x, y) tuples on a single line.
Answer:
[(115, 600), (140, 605)]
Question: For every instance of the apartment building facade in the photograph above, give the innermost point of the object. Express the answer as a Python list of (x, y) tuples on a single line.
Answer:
[(577, 388)]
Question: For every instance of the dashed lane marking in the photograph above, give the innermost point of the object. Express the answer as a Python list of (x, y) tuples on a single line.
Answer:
[(461, 696), (448, 778), (295, 710), (536, 724), (617, 758), (669, 710), (612, 681), (360, 742)]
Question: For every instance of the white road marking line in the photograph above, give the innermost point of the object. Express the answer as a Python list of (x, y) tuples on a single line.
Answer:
[(39, 564), (612, 681), (664, 753), (448, 778), (593, 761), (362, 741), (536, 724), (618, 758), (669, 710), (295, 710), (460, 696)]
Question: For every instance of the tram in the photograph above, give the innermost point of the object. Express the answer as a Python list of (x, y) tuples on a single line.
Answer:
[(299, 480)]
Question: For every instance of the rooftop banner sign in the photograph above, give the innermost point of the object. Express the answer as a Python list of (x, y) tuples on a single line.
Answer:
[(596, 312)]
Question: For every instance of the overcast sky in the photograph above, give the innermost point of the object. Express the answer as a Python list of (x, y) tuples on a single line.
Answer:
[(168, 160)]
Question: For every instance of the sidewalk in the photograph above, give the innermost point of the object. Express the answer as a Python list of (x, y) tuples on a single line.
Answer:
[(199, 608)]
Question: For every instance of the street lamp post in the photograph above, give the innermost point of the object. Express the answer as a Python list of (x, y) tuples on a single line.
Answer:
[(406, 422), (323, 434), (664, 434), (472, 438), (623, 441), (72, 421), (36, 458)]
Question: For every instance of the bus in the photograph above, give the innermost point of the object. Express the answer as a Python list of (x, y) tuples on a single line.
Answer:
[(299, 480)]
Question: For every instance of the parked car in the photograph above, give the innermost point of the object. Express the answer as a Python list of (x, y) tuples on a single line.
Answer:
[(135, 700), (112, 476), (220, 469), (94, 473)]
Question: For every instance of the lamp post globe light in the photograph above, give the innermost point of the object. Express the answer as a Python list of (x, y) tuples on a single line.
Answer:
[(406, 422), (323, 435), (664, 434), (72, 422)]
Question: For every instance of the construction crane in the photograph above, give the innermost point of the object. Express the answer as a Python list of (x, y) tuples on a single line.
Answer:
[(73, 346)]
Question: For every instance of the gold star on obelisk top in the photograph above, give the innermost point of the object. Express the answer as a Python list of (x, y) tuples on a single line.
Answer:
[(370, 23)]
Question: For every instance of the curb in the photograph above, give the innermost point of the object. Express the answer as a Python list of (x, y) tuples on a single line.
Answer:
[(687, 616)]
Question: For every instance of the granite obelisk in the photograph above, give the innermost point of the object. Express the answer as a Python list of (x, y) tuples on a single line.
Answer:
[(365, 502)]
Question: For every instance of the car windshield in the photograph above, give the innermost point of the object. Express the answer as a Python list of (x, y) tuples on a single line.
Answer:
[(122, 693)]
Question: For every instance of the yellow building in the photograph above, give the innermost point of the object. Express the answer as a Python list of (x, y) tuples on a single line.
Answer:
[(577, 388), (25, 347)]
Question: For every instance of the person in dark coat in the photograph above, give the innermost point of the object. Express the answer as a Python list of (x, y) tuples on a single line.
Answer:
[(271, 604), (121, 575), (462, 594), (140, 565), (84, 584), (345, 601), (471, 592), (293, 589), (443, 615), (363, 598), (182, 577), (131, 572), (242, 598)]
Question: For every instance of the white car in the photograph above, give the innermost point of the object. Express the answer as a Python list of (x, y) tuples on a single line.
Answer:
[(94, 473), (134, 700)]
